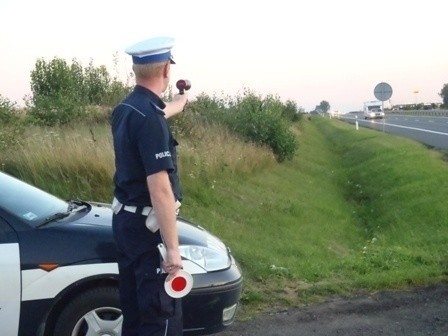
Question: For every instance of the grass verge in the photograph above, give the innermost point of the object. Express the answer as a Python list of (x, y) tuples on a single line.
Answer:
[(353, 211)]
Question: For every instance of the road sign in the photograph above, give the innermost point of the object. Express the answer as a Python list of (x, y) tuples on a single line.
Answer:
[(383, 91)]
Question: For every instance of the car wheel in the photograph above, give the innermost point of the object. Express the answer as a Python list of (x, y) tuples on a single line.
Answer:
[(95, 312)]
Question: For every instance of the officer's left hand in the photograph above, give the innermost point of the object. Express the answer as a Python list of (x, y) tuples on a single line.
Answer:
[(172, 264)]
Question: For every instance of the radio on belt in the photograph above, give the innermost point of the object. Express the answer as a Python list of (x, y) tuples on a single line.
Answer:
[(181, 284)]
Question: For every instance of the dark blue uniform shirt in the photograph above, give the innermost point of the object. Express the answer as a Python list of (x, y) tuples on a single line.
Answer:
[(143, 145)]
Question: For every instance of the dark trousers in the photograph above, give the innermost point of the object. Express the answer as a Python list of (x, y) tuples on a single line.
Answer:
[(147, 309)]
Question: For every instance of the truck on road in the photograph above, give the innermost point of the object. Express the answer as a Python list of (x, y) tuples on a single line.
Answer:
[(373, 110)]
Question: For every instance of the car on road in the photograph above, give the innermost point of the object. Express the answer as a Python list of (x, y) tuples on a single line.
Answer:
[(59, 274)]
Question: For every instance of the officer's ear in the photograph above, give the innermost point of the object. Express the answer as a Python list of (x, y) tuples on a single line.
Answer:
[(166, 69)]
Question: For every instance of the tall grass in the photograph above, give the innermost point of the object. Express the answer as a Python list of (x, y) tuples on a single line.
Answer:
[(67, 161), (211, 155), (78, 162)]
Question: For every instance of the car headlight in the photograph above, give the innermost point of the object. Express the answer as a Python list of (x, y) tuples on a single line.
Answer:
[(211, 258)]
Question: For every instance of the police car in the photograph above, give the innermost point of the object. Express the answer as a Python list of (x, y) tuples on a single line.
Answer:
[(58, 274)]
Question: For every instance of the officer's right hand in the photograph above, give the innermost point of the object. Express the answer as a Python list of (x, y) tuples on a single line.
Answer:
[(175, 106), (181, 100)]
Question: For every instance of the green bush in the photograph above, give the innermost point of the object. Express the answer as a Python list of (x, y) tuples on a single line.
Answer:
[(96, 83), (291, 111), (59, 110), (262, 121), (57, 78), (8, 111), (11, 129), (115, 93), (62, 91)]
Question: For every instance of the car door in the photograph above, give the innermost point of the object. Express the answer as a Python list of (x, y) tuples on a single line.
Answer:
[(10, 283)]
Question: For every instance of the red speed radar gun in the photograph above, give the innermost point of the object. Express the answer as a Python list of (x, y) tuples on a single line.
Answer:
[(181, 284), (183, 85)]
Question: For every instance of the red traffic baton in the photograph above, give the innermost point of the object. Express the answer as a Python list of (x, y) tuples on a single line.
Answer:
[(180, 285), (182, 282)]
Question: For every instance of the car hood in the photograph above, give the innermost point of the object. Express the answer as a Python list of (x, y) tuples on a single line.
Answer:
[(100, 215)]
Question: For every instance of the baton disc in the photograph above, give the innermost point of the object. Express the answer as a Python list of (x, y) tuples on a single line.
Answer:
[(180, 285)]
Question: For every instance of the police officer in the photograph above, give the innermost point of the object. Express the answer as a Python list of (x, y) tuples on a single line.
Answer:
[(146, 184)]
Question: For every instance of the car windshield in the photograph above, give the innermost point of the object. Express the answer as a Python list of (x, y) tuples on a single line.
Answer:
[(27, 202)]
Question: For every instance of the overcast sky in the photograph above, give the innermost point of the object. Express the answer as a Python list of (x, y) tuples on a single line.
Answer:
[(305, 51)]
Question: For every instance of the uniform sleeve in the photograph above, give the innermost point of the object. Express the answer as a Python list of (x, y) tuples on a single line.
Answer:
[(153, 145)]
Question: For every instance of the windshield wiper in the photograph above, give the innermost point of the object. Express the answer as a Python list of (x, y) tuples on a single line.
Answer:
[(73, 206), (77, 205), (54, 217)]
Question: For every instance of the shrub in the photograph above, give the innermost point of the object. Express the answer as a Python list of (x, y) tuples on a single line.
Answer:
[(11, 129), (8, 111), (62, 92), (59, 110), (261, 121), (115, 93), (291, 111)]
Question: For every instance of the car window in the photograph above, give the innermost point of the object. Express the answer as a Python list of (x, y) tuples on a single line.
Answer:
[(27, 202)]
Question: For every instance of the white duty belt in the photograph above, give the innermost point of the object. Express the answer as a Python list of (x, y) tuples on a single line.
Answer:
[(117, 206)]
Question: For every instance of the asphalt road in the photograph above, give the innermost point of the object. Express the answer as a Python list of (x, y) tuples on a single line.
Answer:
[(430, 130), (422, 311)]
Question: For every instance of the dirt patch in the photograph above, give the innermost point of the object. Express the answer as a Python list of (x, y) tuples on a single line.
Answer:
[(421, 311)]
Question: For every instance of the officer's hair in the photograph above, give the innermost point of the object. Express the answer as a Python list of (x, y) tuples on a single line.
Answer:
[(149, 70)]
